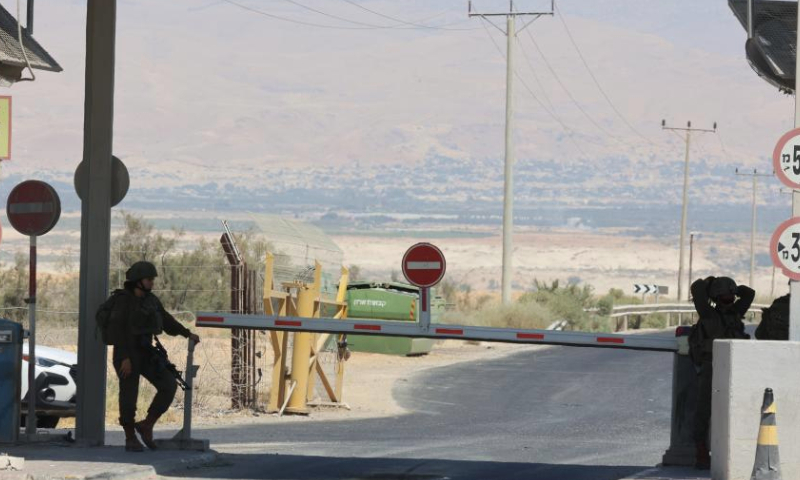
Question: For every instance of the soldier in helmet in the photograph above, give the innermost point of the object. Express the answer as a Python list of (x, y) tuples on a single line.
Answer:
[(138, 315), (721, 306)]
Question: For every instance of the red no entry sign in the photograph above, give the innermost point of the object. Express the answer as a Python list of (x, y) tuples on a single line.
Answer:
[(33, 208), (424, 265)]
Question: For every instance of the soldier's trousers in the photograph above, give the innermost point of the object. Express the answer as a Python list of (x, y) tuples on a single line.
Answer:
[(143, 365), (702, 419)]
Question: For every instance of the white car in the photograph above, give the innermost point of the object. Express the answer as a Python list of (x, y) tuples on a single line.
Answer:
[(56, 371)]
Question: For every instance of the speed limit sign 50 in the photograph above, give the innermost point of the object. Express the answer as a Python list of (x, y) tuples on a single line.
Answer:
[(786, 159)]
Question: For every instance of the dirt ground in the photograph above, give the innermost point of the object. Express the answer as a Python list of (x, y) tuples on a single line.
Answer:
[(370, 379), (369, 382)]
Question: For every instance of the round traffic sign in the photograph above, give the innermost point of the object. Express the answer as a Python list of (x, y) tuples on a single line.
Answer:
[(33, 208), (120, 180), (785, 248), (786, 159), (424, 265)]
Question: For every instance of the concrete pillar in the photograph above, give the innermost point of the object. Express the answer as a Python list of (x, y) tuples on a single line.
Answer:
[(684, 403), (742, 370)]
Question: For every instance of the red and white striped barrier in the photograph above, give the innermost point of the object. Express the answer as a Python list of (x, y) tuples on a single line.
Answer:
[(463, 332)]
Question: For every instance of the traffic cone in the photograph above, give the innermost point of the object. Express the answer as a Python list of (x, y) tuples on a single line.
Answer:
[(767, 466)]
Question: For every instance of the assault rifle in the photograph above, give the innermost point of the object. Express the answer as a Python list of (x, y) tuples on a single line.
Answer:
[(159, 350)]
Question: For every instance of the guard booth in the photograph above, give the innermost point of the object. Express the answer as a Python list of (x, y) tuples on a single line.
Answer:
[(10, 378)]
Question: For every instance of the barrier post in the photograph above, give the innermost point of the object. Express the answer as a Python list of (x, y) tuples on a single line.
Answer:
[(183, 439), (681, 451), (301, 352)]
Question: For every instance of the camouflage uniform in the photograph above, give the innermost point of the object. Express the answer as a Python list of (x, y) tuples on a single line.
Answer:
[(141, 318), (135, 320)]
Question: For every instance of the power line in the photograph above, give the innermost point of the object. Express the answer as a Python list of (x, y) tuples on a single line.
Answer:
[(568, 131), (404, 22), (290, 20), (569, 94), (536, 78), (597, 82), (336, 17), (359, 25)]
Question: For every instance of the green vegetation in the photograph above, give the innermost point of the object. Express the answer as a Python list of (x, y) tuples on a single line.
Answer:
[(543, 305), (190, 279)]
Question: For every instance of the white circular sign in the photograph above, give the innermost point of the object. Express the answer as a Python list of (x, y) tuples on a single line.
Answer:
[(786, 159), (785, 248)]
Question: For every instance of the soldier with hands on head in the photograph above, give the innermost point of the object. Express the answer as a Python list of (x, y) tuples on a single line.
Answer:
[(721, 305), (137, 316)]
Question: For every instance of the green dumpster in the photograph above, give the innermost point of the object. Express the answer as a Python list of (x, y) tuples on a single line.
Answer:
[(393, 301)]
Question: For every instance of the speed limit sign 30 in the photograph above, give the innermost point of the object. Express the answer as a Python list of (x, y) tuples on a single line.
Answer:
[(785, 248)]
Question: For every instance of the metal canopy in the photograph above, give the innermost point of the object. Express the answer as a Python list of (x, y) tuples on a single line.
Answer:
[(771, 50), (297, 246), (11, 52)]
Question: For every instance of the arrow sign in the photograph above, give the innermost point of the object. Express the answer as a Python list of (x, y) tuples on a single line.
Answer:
[(649, 288)]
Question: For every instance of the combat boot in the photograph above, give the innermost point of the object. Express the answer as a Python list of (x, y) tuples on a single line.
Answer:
[(702, 458), (132, 443), (145, 429)]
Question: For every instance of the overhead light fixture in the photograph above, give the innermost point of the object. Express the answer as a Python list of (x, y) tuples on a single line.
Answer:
[(15, 56)]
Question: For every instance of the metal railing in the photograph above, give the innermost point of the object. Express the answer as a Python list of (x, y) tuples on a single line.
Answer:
[(622, 310)]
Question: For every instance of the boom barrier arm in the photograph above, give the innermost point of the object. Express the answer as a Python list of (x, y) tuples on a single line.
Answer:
[(460, 332)]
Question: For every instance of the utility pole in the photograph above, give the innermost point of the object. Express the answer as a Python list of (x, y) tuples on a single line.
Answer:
[(691, 254), (772, 288), (98, 133), (755, 176), (688, 129), (794, 287), (508, 190)]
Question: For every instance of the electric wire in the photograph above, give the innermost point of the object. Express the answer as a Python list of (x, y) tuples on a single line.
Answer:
[(536, 78), (569, 94), (595, 80), (335, 17), (358, 25), (291, 20), (552, 114), (405, 22)]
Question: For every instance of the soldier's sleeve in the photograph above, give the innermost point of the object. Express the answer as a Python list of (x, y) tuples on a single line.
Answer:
[(172, 326), (746, 296), (700, 299)]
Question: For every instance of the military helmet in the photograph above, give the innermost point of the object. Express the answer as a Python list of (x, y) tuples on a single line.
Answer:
[(140, 270), (722, 288)]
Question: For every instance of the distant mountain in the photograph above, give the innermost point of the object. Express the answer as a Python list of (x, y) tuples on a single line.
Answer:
[(218, 106)]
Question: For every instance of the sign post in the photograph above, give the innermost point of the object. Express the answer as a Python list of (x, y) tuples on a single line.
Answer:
[(424, 266), (33, 209), (786, 163)]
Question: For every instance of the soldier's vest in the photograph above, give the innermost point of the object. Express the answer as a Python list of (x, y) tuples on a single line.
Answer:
[(146, 319), (701, 343)]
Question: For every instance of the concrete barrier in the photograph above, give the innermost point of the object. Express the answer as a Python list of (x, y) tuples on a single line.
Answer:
[(742, 370)]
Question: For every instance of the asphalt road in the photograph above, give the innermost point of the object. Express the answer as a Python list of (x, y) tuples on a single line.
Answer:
[(556, 414)]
